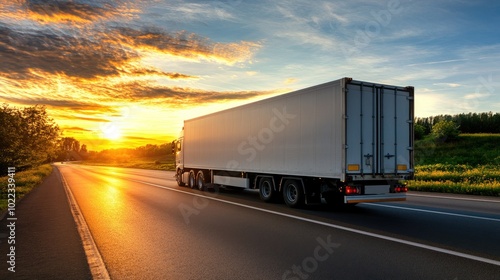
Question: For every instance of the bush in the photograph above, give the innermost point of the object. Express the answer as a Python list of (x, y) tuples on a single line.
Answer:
[(445, 131), (419, 131)]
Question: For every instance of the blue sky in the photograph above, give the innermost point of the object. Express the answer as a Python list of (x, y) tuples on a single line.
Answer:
[(118, 65), (448, 50)]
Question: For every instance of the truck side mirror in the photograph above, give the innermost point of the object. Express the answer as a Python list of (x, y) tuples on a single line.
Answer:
[(173, 147)]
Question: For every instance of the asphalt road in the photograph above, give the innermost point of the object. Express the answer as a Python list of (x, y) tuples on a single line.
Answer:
[(145, 227)]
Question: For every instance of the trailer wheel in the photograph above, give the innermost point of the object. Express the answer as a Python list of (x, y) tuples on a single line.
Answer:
[(293, 194), (191, 179), (200, 181), (266, 189), (178, 178)]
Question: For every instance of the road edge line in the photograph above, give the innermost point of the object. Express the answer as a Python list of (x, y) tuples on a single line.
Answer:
[(94, 258), (456, 198), (434, 212)]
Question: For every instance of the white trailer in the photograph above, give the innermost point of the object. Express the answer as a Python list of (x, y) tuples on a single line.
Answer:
[(345, 141)]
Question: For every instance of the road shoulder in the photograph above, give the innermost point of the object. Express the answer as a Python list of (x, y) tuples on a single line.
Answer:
[(48, 245)]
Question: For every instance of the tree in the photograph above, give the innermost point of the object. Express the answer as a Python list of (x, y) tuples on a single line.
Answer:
[(83, 149), (486, 122), (445, 130), (29, 137), (419, 131), (70, 144)]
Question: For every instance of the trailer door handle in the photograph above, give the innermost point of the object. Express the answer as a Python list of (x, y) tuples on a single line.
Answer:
[(388, 155), (368, 160)]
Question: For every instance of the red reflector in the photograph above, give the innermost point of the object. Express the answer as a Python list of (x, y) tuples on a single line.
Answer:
[(351, 190), (400, 189)]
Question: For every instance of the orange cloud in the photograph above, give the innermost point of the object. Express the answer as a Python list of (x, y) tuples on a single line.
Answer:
[(74, 12), (84, 62), (153, 72), (177, 96), (188, 45)]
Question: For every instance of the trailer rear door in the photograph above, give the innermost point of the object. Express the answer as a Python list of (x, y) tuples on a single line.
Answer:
[(379, 129)]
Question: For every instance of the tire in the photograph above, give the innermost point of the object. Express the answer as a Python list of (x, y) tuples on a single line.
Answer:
[(191, 180), (293, 194), (200, 181), (266, 189), (178, 178)]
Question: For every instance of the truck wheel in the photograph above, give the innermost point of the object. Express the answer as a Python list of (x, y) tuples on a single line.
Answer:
[(178, 178), (293, 194), (191, 180), (200, 181), (266, 189)]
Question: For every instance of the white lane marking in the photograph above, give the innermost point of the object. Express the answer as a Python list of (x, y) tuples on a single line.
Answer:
[(434, 212), (388, 238), (94, 258), (455, 198)]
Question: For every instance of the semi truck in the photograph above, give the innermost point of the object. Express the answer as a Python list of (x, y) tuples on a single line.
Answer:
[(342, 142)]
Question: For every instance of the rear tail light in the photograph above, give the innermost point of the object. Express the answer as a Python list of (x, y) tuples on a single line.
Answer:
[(400, 189), (352, 190)]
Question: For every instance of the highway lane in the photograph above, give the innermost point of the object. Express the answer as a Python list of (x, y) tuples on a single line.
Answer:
[(146, 227)]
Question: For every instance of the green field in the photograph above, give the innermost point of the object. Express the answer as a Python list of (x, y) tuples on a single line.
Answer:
[(163, 162), (470, 165)]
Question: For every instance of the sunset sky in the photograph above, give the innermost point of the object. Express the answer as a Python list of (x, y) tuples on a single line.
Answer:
[(127, 73)]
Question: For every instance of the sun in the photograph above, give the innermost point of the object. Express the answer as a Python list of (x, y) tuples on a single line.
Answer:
[(111, 131)]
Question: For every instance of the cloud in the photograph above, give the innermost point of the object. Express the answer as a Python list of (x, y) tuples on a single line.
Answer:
[(45, 53), (452, 85), (143, 92), (438, 62), (75, 128), (187, 45), (154, 72), (477, 95), (290, 81), (67, 12), (24, 50), (214, 10), (67, 104), (77, 117), (139, 138)]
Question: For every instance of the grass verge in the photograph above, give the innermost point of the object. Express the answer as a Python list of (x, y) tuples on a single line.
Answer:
[(25, 181), (470, 165)]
